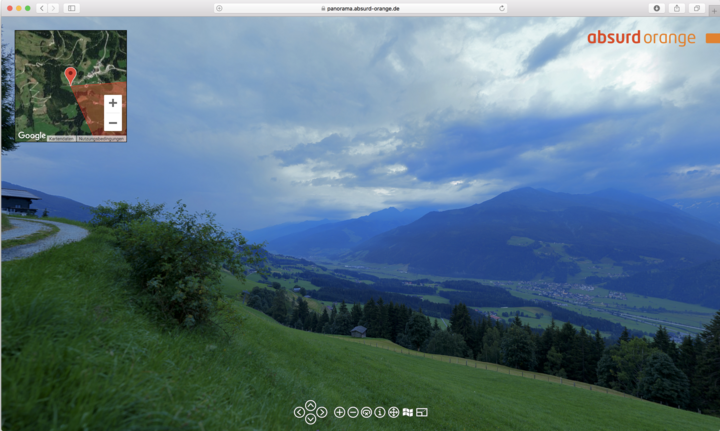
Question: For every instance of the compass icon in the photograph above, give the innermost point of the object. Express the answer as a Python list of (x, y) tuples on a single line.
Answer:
[(393, 412)]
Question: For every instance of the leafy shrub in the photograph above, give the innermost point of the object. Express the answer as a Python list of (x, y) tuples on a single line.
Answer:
[(177, 258), (120, 214)]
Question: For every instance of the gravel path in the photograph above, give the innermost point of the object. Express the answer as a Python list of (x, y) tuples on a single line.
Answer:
[(68, 233), (23, 228)]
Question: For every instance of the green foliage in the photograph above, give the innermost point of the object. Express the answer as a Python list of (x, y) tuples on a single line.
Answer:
[(417, 331), (121, 214), (279, 310), (177, 258), (75, 341), (446, 343), (8, 100), (663, 382), (631, 360), (664, 344), (491, 346), (460, 321), (342, 324), (553, 365), (45, 213), (707, 376), (6, 222), (518, 349)]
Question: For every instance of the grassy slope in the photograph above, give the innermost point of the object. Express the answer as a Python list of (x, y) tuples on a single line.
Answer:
[(77, 350), (6, 224)]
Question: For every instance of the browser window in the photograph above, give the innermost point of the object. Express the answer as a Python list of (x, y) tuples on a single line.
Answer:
[(409, 215)]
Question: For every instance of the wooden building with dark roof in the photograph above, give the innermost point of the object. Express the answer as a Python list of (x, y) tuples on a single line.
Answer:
[(18, 201)]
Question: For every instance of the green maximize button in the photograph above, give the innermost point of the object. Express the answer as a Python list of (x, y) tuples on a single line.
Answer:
[(27, 8)]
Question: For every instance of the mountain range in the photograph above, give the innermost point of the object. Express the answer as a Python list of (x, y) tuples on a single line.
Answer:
[(509, 236), (332, 239), (707, 209), (697, 285), (57, 206)]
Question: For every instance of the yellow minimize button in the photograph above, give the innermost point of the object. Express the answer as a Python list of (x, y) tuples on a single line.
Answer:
[(712, 38)]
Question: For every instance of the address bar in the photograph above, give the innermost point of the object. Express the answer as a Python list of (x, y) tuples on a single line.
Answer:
[(360, 8)]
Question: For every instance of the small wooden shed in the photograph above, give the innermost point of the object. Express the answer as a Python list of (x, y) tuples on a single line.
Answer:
[(359, 331)]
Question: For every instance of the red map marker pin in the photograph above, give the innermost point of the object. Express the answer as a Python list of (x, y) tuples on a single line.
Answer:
[(70, 74)]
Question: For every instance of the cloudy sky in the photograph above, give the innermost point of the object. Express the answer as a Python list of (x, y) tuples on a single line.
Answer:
[(272, 120)]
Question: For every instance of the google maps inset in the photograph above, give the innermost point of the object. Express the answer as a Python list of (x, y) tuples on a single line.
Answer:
[(71, 86)]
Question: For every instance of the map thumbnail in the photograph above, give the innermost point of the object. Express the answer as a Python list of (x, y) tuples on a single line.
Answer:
[(61, 78)]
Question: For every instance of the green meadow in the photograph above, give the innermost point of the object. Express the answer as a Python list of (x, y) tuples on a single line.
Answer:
[(81, 350)]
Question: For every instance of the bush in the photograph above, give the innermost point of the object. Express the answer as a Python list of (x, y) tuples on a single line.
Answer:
[(121, 214), (177, 257)]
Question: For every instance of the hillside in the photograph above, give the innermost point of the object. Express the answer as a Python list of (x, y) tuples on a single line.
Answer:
[(79, 352), (57, 206), (272, 232), (697, 285), (707, 209), (330, 239), (516, 236)]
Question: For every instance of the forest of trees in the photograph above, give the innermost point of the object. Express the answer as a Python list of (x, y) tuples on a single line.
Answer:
[(685, 376), (379, 284)]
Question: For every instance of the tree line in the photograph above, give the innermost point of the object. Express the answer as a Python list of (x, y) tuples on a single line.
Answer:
[(685, 376)]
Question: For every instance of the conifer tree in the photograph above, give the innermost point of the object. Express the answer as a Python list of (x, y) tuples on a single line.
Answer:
[(553, 363), (547, 339), (8, 100), (663, 382), (356, 314), (663, 342), (687, 363), (517, 349), (333, 314), (460, 321), (708, 368), (491, 346), (565, 344), (322, 321), (279, 309), (370, 318), (625, 336), (517, 321), (392, 322), (417, 330)]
